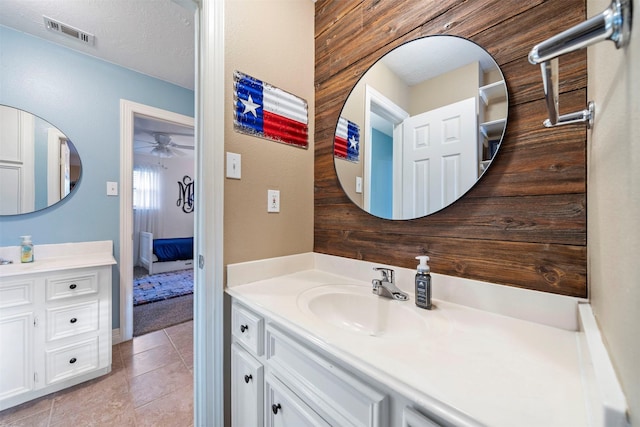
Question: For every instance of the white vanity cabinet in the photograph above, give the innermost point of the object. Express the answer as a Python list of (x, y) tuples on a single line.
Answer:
[(17, 316), (279, 380), (55, 328)]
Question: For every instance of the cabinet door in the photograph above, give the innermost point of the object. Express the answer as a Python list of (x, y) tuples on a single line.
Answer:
[(284, 409), (247, 384), (16, 351)]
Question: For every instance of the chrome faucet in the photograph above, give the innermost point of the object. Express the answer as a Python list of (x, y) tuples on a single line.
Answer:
[(5, 261), (386, 287)]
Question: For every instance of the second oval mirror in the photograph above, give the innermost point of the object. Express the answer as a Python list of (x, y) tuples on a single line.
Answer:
[(420, 127)]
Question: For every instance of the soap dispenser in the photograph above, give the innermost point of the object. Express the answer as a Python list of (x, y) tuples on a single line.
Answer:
[(26, 249), (423, 283)]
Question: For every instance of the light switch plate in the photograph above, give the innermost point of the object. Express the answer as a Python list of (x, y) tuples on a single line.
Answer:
[(358, 184), (234, 165), (273, 200), (112, 188)]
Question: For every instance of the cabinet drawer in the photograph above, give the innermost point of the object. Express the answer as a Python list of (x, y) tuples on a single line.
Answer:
[(335, 394), (69, 286), (70, 320), (16, 293), (66, 362), (248, 328), (247, 388), (285, 409)]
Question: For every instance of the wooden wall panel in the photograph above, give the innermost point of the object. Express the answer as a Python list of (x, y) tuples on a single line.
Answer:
[(524, 223)]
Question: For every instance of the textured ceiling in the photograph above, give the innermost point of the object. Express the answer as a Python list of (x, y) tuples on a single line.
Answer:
[(153, 37)]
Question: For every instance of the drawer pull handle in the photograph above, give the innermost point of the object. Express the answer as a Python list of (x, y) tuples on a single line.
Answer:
[(73, 286), (73, 320), (73, 360), (248, 378), (275, 408), (243, 328)]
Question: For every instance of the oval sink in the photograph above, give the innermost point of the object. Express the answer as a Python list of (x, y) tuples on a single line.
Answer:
[(354, 308)]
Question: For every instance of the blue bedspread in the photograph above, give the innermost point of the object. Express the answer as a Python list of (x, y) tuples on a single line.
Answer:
[(179, 248)]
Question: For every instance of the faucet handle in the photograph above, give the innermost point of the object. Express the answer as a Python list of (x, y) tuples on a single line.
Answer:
[(387, 273)]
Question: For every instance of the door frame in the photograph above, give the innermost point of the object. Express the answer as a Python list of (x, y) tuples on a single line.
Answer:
[(128, 111), (376, 102)]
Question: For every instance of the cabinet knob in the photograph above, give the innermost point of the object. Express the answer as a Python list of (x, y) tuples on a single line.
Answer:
[(73, 320), (243, 328), (247, 378), (73, 286), (73, 360), (275, 408)]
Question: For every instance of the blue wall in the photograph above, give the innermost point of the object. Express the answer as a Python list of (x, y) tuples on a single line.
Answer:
[(381, 203), (80, 95)]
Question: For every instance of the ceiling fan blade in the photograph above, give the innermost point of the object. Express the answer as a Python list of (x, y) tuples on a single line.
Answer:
[(184, 147)]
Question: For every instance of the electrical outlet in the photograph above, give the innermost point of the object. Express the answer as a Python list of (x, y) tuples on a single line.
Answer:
[(273, 200)]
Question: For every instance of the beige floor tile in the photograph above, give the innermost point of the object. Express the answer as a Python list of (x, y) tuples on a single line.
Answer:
[(94, 400), (172, 410), (112, 413), (40, 419), (12, 415), (185, 328), (143, 343), (187, 357), (149, 360), (158, 383)]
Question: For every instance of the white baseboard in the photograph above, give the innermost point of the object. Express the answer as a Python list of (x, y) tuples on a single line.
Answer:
[(115, 336)]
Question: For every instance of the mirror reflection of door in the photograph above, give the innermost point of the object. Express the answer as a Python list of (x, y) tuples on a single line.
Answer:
[(439, 154)]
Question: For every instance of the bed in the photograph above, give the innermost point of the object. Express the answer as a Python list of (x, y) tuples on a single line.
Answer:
[(164, 255)]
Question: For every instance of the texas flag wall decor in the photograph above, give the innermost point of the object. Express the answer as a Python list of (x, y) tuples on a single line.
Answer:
[(267, 112), (346, 144)]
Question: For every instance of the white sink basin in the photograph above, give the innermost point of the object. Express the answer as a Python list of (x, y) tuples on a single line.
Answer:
[(354, 308)]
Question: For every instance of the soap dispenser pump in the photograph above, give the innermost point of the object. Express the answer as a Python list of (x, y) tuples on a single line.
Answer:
[(423, 283)]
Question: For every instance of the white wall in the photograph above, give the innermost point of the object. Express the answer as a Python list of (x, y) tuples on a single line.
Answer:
[(613, 208)]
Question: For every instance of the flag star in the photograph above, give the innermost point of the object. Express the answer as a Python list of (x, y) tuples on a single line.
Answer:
[(250, 106), (353, 143)]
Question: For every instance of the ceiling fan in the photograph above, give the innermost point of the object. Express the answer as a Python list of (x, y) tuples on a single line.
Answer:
[(162, 146)]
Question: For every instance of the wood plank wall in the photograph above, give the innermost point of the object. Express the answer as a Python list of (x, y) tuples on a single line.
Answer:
[(524, 223)]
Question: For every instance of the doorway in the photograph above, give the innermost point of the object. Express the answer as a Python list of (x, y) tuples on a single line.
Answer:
[(130, 113)]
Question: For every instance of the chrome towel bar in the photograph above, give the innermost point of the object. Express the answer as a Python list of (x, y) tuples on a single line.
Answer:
[(613, 24)]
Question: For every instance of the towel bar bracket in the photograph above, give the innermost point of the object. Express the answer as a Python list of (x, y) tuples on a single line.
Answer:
[(613, 24)]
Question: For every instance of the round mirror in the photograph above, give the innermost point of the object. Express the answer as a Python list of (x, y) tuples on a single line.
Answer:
[(39, 166), (420, 127)]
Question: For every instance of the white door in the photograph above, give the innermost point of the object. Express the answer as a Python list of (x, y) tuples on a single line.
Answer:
[(16, 354), (16, 161), (440, 157), (247, 401)]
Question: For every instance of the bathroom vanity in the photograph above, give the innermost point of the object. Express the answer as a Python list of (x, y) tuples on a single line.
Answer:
[(311, 345), (55, 319)]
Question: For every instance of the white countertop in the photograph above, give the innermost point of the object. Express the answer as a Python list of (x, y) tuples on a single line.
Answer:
[(54, 257), (494, 369)]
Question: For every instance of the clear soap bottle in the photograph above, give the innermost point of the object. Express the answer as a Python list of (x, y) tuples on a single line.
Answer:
[(26, 249), (423, 283)]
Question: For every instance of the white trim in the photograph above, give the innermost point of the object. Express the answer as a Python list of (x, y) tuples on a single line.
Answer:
[(115, 336), (381, 105), (128, 111), (209, 401), (53, 166)]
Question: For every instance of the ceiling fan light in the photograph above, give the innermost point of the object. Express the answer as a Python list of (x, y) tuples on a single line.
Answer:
[(161, 151)]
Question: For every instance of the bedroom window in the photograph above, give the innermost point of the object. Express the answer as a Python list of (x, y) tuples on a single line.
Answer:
[(146, 188)]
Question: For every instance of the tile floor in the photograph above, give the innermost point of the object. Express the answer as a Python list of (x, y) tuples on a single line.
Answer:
[(150, 384)]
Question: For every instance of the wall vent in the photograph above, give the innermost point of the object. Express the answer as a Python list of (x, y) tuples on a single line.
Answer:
[(68, 31)]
